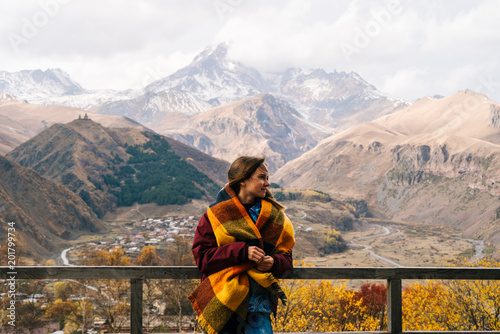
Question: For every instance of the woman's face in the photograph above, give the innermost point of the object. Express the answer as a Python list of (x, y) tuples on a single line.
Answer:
[(257, 184)]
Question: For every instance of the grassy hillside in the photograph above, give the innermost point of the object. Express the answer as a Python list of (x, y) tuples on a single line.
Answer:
[(117, 167), (44, 214)]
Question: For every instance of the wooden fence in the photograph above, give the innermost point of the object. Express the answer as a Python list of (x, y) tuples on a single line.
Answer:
[(137, 275)]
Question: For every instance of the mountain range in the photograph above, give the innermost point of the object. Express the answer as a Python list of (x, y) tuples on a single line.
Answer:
[(260, 125), (433, 161), (38, 84), (55, 87), (437, 161), (323, 103)]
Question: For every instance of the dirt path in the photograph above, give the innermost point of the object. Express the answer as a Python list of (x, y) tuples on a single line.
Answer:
[(64, 256), (478, 248), (385, 232), (139, 212)]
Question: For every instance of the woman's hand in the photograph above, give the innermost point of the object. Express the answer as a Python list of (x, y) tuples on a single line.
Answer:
[(255, 254), (266, 264)]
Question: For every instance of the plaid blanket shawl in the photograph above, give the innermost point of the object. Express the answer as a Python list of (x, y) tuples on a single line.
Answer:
[(226, 292)]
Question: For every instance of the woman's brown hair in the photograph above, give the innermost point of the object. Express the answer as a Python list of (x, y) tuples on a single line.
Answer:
[(242, 169)]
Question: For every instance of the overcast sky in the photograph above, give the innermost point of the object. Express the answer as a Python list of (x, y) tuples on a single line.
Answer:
[(407, 49)]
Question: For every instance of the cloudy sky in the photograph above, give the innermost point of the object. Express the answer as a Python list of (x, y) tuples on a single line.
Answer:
[(407, 49)]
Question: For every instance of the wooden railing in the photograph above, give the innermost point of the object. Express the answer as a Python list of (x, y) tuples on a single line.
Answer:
[(137, 275)]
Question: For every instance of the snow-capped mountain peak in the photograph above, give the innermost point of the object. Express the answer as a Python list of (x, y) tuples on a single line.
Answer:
[(214, 52), (37, 84), (214, 78)]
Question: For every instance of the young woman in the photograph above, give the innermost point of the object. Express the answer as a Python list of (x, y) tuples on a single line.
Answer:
[(242, 243)]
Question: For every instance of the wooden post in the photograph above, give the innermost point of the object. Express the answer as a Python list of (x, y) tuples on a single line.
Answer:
[(394, 307), (136, 287)]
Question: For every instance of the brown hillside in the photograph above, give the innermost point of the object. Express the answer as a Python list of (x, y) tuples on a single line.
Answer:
[(435, 161), (80, 153), (21, 121), (72, 154), (45, 213)]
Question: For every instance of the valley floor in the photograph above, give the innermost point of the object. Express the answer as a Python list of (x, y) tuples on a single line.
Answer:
[(371, 243)]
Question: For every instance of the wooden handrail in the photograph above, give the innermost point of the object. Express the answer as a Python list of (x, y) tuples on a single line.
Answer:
[(137, 275)]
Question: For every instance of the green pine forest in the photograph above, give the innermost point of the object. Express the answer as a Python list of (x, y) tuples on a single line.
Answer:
[(155, 174)]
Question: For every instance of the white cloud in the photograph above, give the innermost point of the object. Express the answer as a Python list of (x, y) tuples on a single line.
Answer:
[(440, 46), (404, 80)]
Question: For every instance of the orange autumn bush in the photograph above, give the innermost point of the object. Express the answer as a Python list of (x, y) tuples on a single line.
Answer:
[(451, 305)]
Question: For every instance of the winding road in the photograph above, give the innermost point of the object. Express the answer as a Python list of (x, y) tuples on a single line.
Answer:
[(368, 249), (64, 256), (478, 246)]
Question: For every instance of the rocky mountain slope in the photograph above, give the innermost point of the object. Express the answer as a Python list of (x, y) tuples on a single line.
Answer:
[(209, 81), (213, 79), (437, 161), (328, 102), (260, 125), (45, 214), (108, 167), (179, 104), (337, 100)]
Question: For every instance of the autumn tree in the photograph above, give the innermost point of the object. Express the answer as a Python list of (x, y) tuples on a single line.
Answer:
[(58, 311), (114, 257), (179, 253), (334, 243), (322, 306), (50, 262), (426, 306), (117, 257), (151, 294), (77, 312), (29, 315), (373, 298), (478, 301), (29, 312), (82, 314), (96, 258), (456, 305), (177, 291), (63, 290), (110, 295), (326, 306), (148, 257)]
